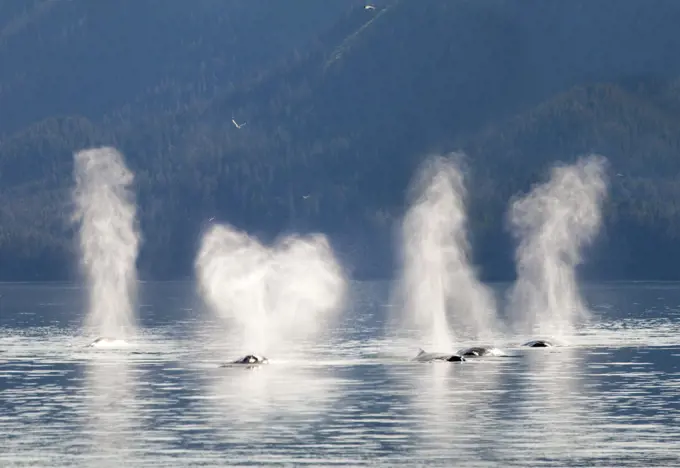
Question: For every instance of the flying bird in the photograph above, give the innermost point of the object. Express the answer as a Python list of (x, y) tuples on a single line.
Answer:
[(369, 7), (237, 125)]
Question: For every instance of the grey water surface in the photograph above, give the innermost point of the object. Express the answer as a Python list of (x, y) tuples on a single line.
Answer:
[(610, 398)]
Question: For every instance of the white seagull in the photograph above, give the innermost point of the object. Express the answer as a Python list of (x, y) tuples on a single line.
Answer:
[(237, 125), (369, 7)]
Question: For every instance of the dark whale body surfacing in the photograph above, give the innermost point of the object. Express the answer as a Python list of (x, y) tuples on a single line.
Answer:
[(538, 344), (479, 351), (442, 357), (249, 360)]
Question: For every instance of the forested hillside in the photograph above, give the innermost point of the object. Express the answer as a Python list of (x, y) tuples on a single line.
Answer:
[(341, 104)]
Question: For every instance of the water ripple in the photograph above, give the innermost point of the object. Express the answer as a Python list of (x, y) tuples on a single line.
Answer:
[(608, 399)]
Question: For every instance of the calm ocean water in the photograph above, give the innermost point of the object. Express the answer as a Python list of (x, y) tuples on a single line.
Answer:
[(612, 398)]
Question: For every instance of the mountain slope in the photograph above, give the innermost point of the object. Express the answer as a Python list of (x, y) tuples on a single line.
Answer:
[(641, 139), (336, 127), (93, 58)]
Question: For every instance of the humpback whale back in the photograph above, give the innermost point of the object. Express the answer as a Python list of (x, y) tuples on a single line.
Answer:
[(252, 359), (478, 351), (423, 356), (474, 352), (538, 344), (455, 358), (248, 360)]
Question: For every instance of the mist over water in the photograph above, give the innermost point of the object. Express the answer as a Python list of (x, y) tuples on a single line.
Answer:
[(274, 296), (109, 240), (554, 222), (438, 291)]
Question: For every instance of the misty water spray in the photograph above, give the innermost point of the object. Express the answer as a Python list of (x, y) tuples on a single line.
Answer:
[(438, 293), (272, 297), (109, 240), (553, 223)]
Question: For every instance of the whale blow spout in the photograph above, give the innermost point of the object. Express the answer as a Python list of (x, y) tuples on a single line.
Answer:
[(109, 239), (554, 223), (438, 291), (271, 296)]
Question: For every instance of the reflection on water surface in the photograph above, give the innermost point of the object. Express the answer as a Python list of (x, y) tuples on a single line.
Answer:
[(610, 399)]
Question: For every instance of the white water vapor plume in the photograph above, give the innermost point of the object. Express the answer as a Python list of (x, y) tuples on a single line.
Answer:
[(438, 288), (109, 239), (553, 223), (272, 296)]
